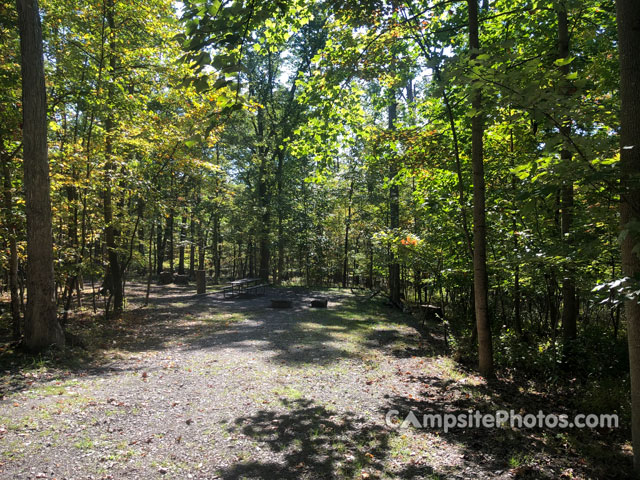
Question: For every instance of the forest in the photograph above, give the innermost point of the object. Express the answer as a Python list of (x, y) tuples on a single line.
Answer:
[(471, 166)]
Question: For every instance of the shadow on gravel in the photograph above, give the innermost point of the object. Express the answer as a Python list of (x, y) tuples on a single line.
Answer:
[(296, 336), (177, 317), (497, 452), (309, 441)]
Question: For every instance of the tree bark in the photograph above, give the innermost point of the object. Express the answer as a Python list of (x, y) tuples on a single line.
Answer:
[(480, 278), (183, 238), (192, 249), (170, 244), (161, 241), (42, 328), (265, 215), (345, 264), (114, 275), (279, 180), (517, 320), (201, 246), (214, 248), (149, 266), (628, 19)]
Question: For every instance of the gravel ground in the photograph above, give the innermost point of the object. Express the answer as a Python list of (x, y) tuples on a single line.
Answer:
[(204, 387)]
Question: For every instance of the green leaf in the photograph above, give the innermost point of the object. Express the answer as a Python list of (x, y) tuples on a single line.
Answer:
[(193, 141), (201, 84), (561, 62)]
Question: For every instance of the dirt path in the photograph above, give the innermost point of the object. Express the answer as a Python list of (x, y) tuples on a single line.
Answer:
[(201, 387)]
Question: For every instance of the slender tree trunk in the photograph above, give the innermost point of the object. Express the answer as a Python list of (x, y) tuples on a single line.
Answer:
[(394, 211), (249, 263), (628, 19), (214, 247), (192, 249), (201, 247), (569, 309), (263, 203), (141, 239), (218, 260), (41, 324), (149, 266), (345, 265), (161, 241), (183, 238), (417, 274), (235, 262), (114, 276), (516, 277), (480, 278), (370, 266), (279, 180), (170, 244)]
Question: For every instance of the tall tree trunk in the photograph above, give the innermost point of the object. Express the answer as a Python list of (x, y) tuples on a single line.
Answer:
[(201, 247), (183, 238), (480, 278), (235, 262), (249, 263), (394, 210), (217, 270), (114, 276), (628, 19), (262, 200), (161, 241), (279, 181), (169, 241), (192, 249), (569, 309), (517, 323), (214, 248), (149, 266), (345, 264), (42, 328), (141, 239), (263, 203)]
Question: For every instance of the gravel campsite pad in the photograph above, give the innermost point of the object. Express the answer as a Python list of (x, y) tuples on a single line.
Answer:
[(205, 387)]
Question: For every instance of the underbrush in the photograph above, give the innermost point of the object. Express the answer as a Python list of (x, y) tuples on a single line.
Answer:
[(592, 372), (593, 368)]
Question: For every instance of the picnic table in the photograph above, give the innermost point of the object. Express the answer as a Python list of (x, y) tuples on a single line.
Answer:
[(243, 285)]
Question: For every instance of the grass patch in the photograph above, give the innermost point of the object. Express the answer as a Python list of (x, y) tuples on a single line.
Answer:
[(52, 389), (448, 369), (223, 318), (288, 393), (519, 460), (84, 443), (400, 446)]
